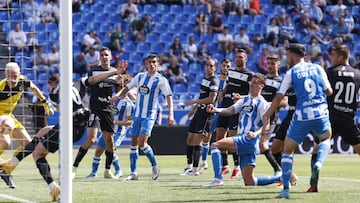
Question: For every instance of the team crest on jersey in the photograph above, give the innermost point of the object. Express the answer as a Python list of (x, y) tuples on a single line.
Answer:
[(144, 89), (247, 109)]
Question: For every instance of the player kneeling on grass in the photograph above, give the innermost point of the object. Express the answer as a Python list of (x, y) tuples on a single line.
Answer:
[(47, 140), (251, 109)]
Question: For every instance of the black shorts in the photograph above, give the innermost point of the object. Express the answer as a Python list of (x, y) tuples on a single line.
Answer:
[(281, 133), (102, 119), (346, 128), (201, 122), (228, 122), (51, 140)]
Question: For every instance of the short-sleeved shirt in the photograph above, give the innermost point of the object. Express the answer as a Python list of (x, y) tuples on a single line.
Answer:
[(309, 82), (149, 88)]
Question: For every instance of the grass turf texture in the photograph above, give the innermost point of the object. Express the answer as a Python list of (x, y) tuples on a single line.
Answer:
[(339, 182)]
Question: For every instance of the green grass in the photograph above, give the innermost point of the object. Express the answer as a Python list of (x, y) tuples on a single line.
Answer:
[(339, 182)]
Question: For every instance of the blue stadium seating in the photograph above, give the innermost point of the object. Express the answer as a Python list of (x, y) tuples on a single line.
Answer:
[(189, 9), (143, 47), (246, 19), (101, 18), (157, 47), (4, 16), (166, 37), (129, 46), (50, 27), (181, 18), (149, 8), (162, 9), (175, 9), (179, 88), (195, 68), (135, 58), (194, 88)]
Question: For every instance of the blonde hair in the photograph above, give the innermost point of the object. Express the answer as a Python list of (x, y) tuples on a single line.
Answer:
[(12, 66)]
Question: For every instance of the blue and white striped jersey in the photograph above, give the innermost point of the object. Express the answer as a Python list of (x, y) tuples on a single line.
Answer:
[(251, 110), (309, 82), (148, 90), (126, 108)]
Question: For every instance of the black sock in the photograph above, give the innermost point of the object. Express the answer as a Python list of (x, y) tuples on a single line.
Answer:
[(80, 155), (236, 159), (29, 148), (189, 154), (197, 155), (44, 170), (313, 160), (224, 159), (277, 156), (109, 159), (271, 159)]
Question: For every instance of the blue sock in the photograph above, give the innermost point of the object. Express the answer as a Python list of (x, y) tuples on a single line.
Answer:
[(266, 180), (134, 156), (149, 153), (204, 151), (116, 163), (217, 162), (95, 164), (286, 165), (323, 150)]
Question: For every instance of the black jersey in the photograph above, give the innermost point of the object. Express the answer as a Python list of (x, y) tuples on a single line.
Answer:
[(290, 93), (271, 87), (345, 82), (207, 86), (238, 82), (101, 92)]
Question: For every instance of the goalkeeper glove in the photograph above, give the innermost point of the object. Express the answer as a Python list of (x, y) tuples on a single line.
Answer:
[(47, 108)]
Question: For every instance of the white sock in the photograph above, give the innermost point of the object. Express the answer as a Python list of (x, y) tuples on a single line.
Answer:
[(52, 185)]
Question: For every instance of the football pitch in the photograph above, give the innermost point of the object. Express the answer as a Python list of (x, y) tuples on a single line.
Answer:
[(339, 182)]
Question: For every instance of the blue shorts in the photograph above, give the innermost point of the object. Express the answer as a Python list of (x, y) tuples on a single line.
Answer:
[(118, 138), (246, 149), (142, 126), (298, 130)]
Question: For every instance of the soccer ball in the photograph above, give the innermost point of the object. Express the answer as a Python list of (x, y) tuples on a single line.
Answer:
[(7, 124)]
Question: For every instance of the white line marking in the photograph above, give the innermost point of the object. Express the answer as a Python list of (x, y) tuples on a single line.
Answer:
[(15, 198)]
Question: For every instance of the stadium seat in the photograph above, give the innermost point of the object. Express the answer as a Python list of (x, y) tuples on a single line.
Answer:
[(184, 97), (50, 27), (268, 10), (160, 28), (143, 47), (195, 68), (162, 9), (97, 8), (180, 88), (135, 58), (79, 27), (87, 17), (166, 38), (115, 18), (92, 26), (233, 19), (246, 19), (357, 49), (152, 37), (219, 57), (105, 27), (39, 27), (54, 36), (42, 79), (168, 18), (157, 47), (101, 18), (175, 9), (41, 37), (199, 78), (16, 16), (206, 38), (189, 9), (129, 46), (181, 18), (4, 16), (149, 8), (187, 28), (194, 88), (260, 19)]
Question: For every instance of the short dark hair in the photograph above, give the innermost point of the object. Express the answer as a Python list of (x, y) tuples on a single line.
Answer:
[(273, 56), (151, 56), (105, 49), (342, 50), (296, 48)]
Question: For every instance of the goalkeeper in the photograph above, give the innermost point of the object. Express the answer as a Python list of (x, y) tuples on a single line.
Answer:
[(11, 90), (47, 140)]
